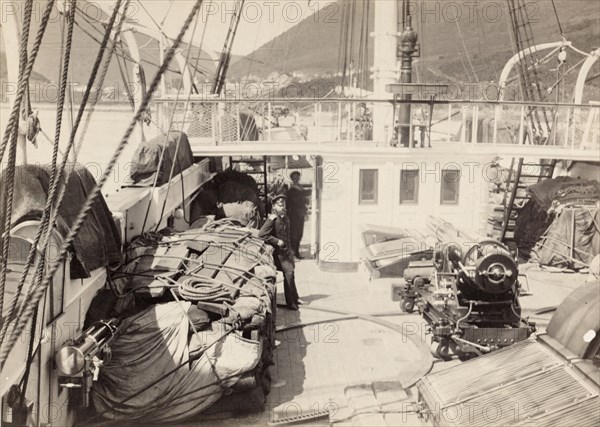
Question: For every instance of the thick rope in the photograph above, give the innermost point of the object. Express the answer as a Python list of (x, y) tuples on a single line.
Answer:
[(53, 187), (160, 160), (12, 133), (15, 113), (102, 77), (56, 201), (47, 209), (52, 191), (185, 110), (39, 291)]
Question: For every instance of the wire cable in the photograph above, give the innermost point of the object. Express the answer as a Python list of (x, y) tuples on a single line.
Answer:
[(558, 20)]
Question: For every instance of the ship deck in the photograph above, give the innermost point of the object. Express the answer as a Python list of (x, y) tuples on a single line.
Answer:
[(355, 365)]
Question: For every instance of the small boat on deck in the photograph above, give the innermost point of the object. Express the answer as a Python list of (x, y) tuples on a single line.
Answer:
[(389, 250)]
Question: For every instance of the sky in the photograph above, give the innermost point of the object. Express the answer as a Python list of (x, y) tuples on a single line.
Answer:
[(261, 21)]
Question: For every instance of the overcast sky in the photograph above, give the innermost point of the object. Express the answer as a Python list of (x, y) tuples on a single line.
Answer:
[(261, 20)]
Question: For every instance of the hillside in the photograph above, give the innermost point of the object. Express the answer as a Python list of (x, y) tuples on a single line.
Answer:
[(312, 47), (86, 39)]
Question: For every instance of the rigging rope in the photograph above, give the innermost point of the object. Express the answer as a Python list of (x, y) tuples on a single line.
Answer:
[(43, 222), (39, 266), (12, 132), (558, 20), (101, 79), (54, 184), (162, 154), (167, 12), (462, 39), (62, 192), (122, 54), (14, 117), (39, 291)]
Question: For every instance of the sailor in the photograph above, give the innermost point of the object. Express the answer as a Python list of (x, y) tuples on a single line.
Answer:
[(276, 232), (296, 211)]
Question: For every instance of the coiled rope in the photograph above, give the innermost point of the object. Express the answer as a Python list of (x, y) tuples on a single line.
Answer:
[(39, 290)]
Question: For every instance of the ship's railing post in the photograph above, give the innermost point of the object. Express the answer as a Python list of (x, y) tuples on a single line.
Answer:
[(411, 129), (463, 127), (270, 117), (214, 123), (475, 123), (339, 120), (521, 140), (319, 123), (238, 122), (449, 132), (569, 127), (496, 118)]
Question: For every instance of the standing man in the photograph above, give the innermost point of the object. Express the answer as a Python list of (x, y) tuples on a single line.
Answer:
[(296, 201), (276, 232)]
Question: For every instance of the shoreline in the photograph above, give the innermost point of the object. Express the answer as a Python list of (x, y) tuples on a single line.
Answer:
[(48, 106)]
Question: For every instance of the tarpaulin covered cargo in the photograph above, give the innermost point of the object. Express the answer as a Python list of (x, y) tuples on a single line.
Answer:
[(157, 341), (559, 223), (210, 331), (97, 244), (156, 158)]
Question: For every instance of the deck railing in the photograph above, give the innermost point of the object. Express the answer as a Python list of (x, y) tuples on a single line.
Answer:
[(217, 122)]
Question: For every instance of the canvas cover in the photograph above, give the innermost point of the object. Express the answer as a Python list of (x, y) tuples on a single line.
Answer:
[(153, 343), (560, 212), (576, 225), (97, 244), (146, 158)]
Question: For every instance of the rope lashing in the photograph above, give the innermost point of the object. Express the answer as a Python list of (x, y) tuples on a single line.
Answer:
[(50, 198), (39, 266), (39, 290), (33, 128), (12, 133), (27, 69)]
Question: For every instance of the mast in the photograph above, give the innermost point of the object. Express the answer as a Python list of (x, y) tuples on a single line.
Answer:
[(407, 47), (385, 69), (226, 53)]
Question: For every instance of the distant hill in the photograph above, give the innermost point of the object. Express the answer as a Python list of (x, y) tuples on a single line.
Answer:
[(85, 48), (310, 50), (312, 47)]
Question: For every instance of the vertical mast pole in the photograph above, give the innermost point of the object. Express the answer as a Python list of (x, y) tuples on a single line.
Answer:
[(385, 64), (406, 49)]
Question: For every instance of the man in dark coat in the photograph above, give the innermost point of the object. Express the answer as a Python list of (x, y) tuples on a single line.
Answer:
[(296, 203), (276, 232)]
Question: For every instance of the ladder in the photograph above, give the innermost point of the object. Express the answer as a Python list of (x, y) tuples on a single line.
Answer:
[(258, 170), (521, 175), (539, 119)]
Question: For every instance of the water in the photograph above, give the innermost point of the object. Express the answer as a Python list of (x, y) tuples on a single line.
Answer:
[(106, 129)]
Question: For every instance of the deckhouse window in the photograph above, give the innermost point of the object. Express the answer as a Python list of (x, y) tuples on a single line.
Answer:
[(450, 186), (409, 186), (368, 186)]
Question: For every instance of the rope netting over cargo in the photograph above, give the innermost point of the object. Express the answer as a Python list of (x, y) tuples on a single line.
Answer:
[(558, 226), (212, 327)]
